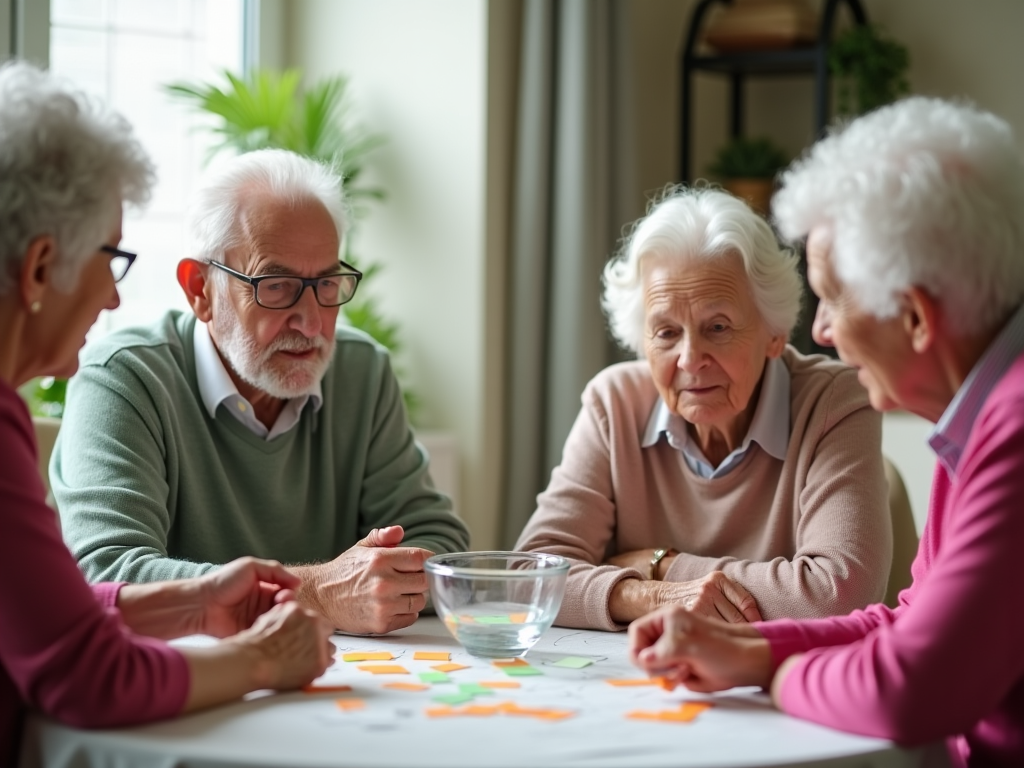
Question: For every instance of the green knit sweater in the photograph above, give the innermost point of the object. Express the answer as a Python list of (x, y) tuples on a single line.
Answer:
[(150, 487)]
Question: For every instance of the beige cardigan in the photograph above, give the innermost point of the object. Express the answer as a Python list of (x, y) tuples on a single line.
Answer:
[(808, 537)]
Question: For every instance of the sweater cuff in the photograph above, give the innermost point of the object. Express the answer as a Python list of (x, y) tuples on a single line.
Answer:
[(784, 638), (106, 592), (598, 611)]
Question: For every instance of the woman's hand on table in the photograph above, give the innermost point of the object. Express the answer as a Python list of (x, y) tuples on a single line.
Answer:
[(234, 596), (701, 653), (715, 595)]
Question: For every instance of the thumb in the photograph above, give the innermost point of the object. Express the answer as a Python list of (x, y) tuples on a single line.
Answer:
[(383, 537)]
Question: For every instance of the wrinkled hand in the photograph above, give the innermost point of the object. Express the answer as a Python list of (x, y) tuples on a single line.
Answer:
[(374, 587), (715, 595), (232, 597), (290, 645), (701, 653)]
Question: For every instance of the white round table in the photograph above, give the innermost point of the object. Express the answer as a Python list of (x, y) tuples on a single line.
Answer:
[(393, 730)]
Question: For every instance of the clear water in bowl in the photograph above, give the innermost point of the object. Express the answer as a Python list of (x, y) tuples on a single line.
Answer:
[(497, 630)]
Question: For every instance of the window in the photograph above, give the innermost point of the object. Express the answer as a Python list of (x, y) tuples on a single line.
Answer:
[(124, 51)]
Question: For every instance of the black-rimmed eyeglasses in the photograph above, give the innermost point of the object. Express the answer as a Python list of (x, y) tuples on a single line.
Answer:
[(284, 291), (120, 261)]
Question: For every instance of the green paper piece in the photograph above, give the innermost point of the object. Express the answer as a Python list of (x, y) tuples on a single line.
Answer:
[(434, 677), (453, 698), (493, 620), (522, 671), (573, 662), (475, 689)]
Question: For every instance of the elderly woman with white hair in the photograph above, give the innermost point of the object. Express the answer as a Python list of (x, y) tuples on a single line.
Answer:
[(93, 657), (728, 472), (914, 218)]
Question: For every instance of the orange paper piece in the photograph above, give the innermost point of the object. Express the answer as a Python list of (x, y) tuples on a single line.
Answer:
[(518, 618), (686, 713), (325, 688), (665, 683), (637, 681), (450, 667), (479, 710), (501, 684), (431, 656), (349, 705), (406, 686), (383, 669), (691, 709), (509, 663), (440, 711), (370, 656)]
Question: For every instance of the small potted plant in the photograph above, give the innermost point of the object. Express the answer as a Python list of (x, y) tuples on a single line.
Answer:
[(747, 169), (870, 69)]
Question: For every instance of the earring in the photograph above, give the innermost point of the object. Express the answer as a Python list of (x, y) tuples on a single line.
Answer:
[(36, 306)]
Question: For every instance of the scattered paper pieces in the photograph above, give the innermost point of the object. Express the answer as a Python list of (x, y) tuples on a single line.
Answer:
[(434, 677), (686, 713), (349, 705), (368, 656), (638, 681), (524, 671), (510, 663), (573, 662), (501, 684), (383, 669), (453, 698), (406, 686), (432, 656), (325, 688), (475, 689), (449, 667), (505, 708)]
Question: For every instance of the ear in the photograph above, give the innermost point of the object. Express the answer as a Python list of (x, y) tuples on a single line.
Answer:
[(920, 314), (36, 272), (192, 279), (775, 346)]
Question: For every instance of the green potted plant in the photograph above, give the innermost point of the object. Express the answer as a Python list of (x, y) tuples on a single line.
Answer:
[(870, 69), (747, 169)]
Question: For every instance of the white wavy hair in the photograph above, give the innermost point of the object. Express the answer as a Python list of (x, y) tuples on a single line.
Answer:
[(923, 193), (701, 224), (214, 217), (67, 163)]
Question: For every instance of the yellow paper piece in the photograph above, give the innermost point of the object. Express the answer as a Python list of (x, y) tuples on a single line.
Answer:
[(450, 667), (383, 669), (368, 656), (518, 618), (349, 705), (431, 656), (406, 686), (324, 688), (629, 683), (509, 663), (502, 684)]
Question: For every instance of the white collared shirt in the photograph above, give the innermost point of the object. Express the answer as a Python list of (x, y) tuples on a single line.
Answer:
[(216, 388), (769, 428)]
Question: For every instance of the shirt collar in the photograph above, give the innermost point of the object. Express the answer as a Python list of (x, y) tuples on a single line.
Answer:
[(216, 387), (949, 437), (769, 428)]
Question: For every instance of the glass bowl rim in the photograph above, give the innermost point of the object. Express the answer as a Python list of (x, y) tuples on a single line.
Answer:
[(558, 565)]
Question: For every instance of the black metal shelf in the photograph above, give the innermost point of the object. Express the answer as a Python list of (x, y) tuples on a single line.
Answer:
[(781, 62)]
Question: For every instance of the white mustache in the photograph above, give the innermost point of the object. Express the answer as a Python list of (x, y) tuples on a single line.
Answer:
[(296, 344)]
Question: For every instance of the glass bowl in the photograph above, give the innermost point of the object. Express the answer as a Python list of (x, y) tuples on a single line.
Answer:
[(497, 604)]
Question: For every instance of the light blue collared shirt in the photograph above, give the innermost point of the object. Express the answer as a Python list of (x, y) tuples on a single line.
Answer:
[(216, 387), (769, 428), (949, 438)]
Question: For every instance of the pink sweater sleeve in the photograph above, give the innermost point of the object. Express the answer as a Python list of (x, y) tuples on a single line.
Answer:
[(952, 651), (66, 652)]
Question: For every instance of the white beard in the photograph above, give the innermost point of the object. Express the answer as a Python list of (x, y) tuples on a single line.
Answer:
[(256, 366)]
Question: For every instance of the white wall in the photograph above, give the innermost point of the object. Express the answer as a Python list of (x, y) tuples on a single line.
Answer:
[(904, 438), (419, 74)]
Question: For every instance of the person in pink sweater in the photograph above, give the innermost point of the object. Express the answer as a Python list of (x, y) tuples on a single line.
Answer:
[(914, 218), (726, 471), (94, 657)]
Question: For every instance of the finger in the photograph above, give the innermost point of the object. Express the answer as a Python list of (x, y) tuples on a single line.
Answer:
[(725, 609), (407, 604), (645, 631), (284, 596), (272, 572), (406, 559), (741, 598), (383, 537)]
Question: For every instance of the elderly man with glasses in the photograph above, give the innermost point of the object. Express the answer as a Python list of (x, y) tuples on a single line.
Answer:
[(254, 425)]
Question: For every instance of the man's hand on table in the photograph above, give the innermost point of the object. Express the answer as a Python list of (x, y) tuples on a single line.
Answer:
[(374, 587)]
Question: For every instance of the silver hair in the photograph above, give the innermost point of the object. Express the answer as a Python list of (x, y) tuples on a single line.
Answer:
[(702, 223), (925, 193), (67, 163), (215, 213)]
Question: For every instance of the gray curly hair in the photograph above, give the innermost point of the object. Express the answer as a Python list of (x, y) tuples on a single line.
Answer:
[(67, 163)]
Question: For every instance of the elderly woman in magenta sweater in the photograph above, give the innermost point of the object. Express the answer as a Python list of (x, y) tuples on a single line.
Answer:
[(727, 472), (90, 656), (914, 217)]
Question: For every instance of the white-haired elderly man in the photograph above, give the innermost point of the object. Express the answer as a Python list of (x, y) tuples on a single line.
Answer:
[(728, 472), (254, 425)]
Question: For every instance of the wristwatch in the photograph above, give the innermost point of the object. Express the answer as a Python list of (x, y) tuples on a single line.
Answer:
[(655, 559)]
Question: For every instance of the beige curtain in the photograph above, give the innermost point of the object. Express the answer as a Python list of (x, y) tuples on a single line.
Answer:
[(574, 191)]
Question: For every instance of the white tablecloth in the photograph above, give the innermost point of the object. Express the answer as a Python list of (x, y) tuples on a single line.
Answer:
[(393, 731)]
